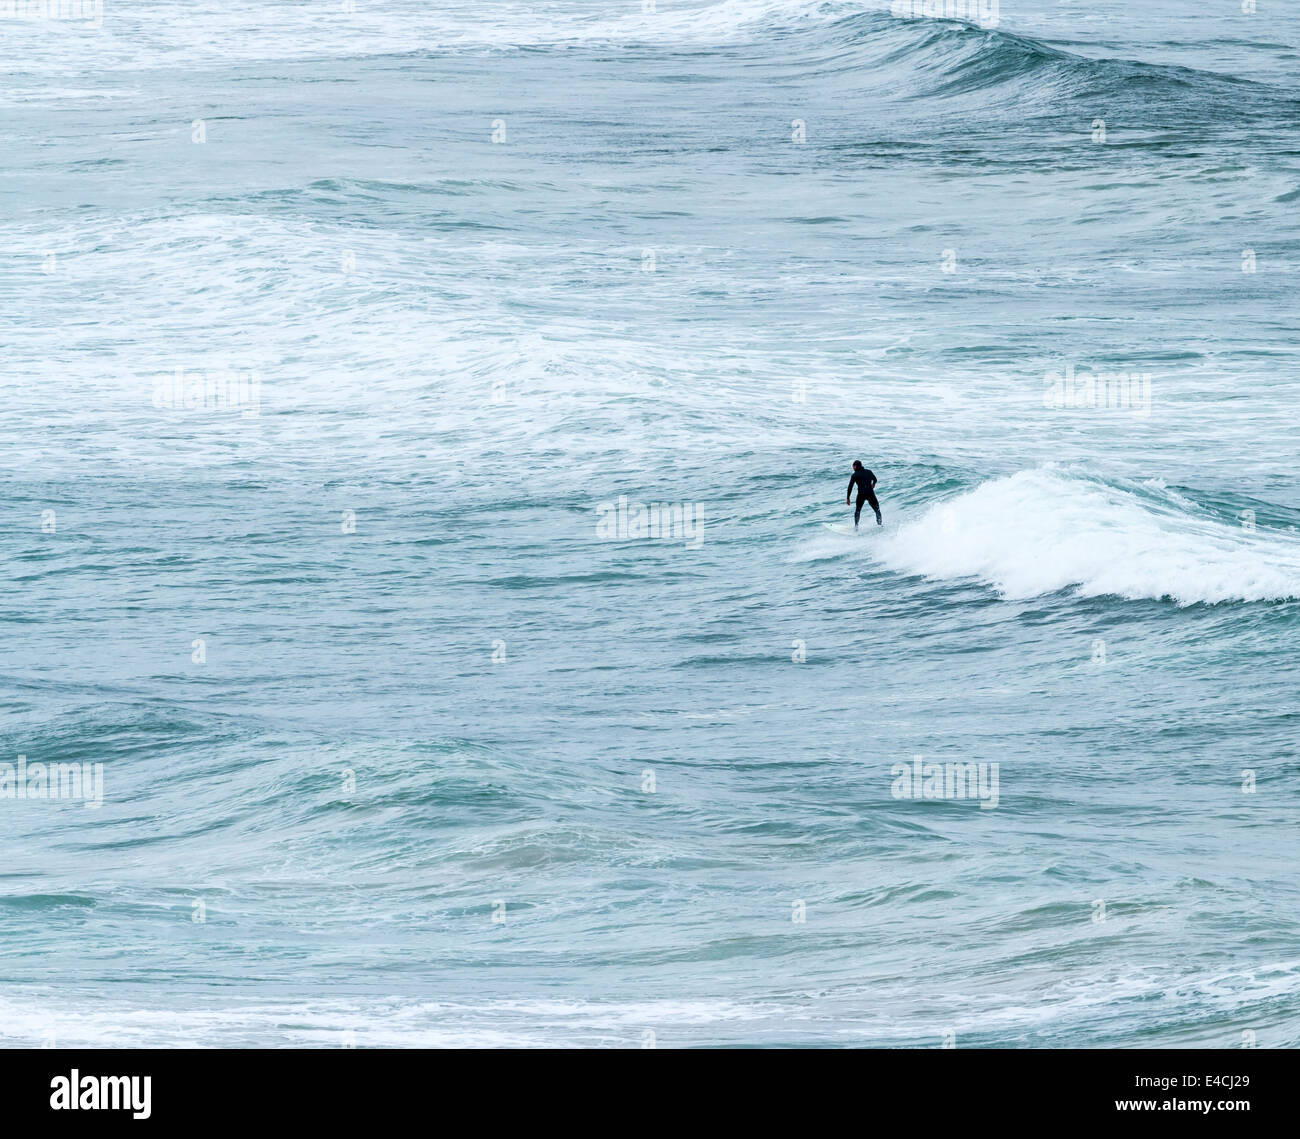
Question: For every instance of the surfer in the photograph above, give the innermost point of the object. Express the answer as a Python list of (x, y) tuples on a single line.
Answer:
[(865, 481)]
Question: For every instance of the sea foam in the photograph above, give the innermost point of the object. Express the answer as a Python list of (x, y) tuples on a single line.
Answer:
[(1040, 531)]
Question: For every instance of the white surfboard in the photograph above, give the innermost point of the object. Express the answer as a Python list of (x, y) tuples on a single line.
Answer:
[(841, 528)]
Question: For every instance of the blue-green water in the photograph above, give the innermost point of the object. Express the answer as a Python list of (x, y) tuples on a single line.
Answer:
[(437, 758)]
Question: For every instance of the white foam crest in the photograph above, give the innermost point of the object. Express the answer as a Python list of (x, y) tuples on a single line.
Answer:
[(1040, 531), (128, 37)]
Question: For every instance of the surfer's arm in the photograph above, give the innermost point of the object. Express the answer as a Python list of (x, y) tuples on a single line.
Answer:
[(848, 492)]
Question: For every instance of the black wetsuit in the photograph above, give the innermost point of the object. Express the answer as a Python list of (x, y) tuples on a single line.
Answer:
[(864, 480)]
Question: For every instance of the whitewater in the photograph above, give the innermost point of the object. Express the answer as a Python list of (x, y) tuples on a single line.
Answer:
[(422, 422)]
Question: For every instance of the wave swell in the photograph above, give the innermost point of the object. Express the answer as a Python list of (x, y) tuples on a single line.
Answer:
[(1039, 532)]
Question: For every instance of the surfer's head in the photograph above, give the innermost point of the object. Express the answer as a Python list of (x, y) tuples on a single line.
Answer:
[(857, 464)]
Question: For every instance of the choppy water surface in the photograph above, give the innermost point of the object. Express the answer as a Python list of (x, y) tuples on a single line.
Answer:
[(435, 759)]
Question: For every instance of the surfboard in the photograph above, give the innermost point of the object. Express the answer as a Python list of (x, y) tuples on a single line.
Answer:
[(841, 528)]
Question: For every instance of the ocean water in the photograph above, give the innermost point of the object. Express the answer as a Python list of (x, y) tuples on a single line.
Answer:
[(332, 341)]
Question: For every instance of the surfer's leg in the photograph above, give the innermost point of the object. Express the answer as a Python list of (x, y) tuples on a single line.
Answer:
[(871, 498), (858, 513)]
